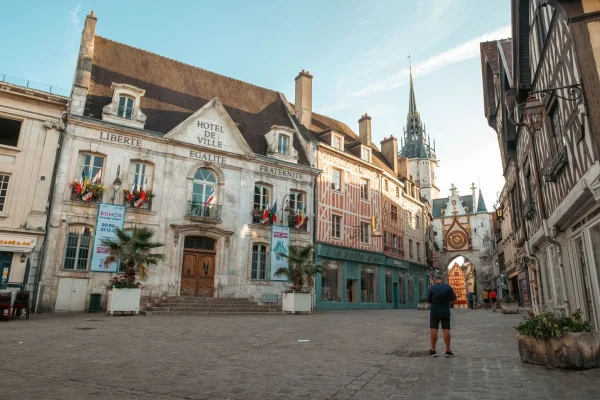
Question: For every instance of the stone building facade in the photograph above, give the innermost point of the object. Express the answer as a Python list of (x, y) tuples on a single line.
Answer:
[(31, 125), (215, 154)]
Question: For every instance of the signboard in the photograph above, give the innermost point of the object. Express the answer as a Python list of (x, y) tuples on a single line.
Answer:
[(352, 255), (109, 217), (270, 297), (280, 244)]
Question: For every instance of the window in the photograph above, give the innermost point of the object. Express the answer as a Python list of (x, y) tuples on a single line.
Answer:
[(410, 248), (261, 196), (336, 142), (283, 144), (411, 288), (368, 284), (385, 238), (140, 174), (332, 281), (365, 154), (336, 180), (395, 241), (296, 200), (336, 226), (389, 294), (385, 183), (422, 288), (364, 232), (516, 207), (394, 213), (77, 252), (259, 262), (125, 109), (528, 188), (397, 191), (91, 167), (417, 221), (364, 189), (204, 186), (9, 132), (556, 128), (418, 251), (3, 190), (402, 284)]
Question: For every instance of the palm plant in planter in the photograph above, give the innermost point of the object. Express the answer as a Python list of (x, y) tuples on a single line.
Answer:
[(552, 340), (134, 251), (509, 305), (301, 269)]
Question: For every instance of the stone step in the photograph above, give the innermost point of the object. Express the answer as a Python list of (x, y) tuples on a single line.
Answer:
[(208, 305), (204, 299), (204, 313), (211, 309)]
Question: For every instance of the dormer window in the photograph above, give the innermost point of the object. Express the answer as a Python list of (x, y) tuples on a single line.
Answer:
[(283, 144), (125, 109), (365, 154), (337, 142)]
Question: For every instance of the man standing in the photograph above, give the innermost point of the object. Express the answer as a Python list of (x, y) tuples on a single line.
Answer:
[(493, 297), (470, 297), (486, 298), (440, 296)]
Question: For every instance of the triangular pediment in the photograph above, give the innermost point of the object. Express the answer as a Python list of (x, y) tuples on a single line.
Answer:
[(211, 128)]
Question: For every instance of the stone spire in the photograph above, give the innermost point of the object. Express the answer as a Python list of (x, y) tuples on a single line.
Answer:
[(412, 102)]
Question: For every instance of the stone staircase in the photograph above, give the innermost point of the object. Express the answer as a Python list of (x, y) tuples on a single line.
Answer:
[(207, 306)]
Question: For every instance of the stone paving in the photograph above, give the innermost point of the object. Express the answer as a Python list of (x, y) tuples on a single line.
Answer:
[(91, 356)]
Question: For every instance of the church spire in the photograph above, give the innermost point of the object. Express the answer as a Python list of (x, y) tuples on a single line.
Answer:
[(412, 102)]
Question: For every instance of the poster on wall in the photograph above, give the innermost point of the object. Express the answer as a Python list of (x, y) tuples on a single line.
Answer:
[(280, 244), (109, 217)]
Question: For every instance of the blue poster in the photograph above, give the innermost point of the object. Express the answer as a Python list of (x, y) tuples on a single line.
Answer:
[(280, 244), (109, 217)]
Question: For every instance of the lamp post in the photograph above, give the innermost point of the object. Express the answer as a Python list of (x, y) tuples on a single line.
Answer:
[(116, 184)]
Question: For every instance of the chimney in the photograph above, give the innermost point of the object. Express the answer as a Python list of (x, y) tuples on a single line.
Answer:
[(303, 104), (364, 129), (389, 149), (83, 70)]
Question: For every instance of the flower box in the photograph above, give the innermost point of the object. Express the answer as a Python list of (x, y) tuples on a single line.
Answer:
[(123, 300), (572, 350), (509, 308), (297, 303)]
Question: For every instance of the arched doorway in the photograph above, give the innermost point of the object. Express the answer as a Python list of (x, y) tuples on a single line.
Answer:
[(462, 276), (198, 269)]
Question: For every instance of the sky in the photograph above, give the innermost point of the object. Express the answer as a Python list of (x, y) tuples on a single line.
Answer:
[(357, 52)]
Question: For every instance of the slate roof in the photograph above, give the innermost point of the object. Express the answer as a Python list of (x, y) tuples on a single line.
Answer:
[(175, 90), (489, 51), (508, 53), (438, 204), (481, 204)]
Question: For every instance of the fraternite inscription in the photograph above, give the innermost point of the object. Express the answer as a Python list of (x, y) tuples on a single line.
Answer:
[(209, 135)]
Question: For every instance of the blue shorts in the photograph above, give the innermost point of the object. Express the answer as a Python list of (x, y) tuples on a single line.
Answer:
[(434, 322)]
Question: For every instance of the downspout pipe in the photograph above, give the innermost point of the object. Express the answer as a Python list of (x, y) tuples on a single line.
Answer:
[(561, 266)]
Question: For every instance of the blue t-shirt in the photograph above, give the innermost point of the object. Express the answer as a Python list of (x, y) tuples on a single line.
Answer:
[(440, 296)]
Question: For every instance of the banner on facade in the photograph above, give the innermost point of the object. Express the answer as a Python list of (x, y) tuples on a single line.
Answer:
[(280, 244), (110, 216)]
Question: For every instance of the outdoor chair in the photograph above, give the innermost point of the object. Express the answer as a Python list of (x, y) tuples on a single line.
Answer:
[(21, 302), (5, 304)]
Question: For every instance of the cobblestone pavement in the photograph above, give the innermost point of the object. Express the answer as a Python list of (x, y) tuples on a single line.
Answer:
[(85, 356)]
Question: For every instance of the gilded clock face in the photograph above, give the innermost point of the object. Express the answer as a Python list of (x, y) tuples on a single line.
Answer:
[(453, 202), (457, 239)]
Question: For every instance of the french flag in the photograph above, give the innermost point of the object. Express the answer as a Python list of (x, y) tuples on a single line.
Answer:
[(211, 198)]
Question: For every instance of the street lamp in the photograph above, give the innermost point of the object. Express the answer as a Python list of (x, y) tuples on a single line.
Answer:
[(116, 184), (23, 257), (534, 113), (500, 213)]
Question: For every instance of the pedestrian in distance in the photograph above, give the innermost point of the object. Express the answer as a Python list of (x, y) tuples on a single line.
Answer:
[(440, 297), (493, 297), (486, 298), (471, 298)]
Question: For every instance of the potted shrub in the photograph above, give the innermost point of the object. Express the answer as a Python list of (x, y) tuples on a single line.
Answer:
[(509, 305), (301, 268), (423, 304), (552, 340), (134, 251)]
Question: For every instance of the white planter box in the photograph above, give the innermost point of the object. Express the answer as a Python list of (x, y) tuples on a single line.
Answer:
[(123, 300), (297, 302)]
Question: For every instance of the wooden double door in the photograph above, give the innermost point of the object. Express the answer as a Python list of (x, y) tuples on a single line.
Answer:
[(198, 274)]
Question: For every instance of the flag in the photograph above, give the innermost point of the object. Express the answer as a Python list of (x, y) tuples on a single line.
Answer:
[(265, 216), (274, 212), (301, 218), (81, 186), (211, 197), (97, 177), (142, 199), (130, 198)]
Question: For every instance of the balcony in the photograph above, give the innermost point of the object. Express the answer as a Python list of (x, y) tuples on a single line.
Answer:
[(209, 213), (42, 87), (394, 251), (529, 211), (498, 236), (91, 194), (137, 201), (555, 165), (292, 223)]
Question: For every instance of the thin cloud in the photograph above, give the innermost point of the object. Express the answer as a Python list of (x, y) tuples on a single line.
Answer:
[(75, 15), (459, 53)]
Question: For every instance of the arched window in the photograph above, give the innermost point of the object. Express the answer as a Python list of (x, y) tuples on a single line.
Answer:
[(205, 183)]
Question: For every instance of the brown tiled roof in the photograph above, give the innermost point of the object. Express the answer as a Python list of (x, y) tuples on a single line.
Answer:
[(490, 51), (175, 90), (508, 51)]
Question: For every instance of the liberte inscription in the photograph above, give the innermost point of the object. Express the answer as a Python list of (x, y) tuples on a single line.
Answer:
[(111, 137), (210, 135)]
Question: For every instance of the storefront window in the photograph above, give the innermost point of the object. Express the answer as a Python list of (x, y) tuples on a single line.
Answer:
[(402, 288), (332, 281), (411, 288), (581, 259), (595, 239), (422, 288), (368, 284), (389, 294)]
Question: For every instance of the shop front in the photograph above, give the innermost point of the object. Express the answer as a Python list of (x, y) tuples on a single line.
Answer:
[(15, 260), (355, 279)]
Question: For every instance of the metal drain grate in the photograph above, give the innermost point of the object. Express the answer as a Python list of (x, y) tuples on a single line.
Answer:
[(410, 353), (85, 328)]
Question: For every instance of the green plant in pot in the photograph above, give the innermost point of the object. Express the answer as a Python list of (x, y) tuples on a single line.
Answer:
[(301, 269)]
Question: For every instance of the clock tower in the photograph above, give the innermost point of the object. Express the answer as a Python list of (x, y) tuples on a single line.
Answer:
[(416, 147)]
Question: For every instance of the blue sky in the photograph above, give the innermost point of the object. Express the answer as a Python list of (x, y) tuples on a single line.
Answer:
[(356, 50)]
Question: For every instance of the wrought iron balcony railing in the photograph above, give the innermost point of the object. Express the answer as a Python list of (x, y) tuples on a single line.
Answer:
[(529, 211), (211, 212), (555, 165)]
